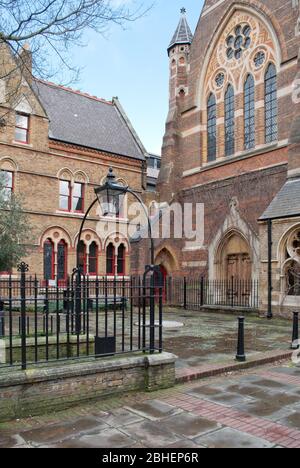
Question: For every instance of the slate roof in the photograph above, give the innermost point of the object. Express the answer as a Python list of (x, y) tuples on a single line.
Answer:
[(286, 203), (87, 121), (183, 33)]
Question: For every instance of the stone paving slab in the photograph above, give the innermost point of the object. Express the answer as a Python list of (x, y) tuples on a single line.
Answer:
[(254, 409), (230, 439)]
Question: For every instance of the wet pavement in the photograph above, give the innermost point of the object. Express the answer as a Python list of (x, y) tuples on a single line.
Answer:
[(255, 409), (210, 337)]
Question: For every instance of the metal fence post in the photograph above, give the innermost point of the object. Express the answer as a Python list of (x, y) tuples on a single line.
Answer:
[(184, 293), (241, 357), (202, 291), (152, 313), (2, 319), (295, 339), (23, 269)]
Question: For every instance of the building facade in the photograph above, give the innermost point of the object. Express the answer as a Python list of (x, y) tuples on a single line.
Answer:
[(56, 146), (232, 143)]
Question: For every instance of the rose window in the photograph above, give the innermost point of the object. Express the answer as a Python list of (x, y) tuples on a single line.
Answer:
[(238, 42)]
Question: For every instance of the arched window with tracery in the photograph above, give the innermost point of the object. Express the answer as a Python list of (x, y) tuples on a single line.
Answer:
[(229, 121), (211, 128), (249, 113), (49, 264), (121, 259), (110, 259), (292, 264), (271, 110)]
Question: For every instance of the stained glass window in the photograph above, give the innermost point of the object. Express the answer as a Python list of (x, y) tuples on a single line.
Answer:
[(229, 121), (211, 128), (271, 110), (249, 113)]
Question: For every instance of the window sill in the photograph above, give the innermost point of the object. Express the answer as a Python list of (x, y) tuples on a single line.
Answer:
[(70, 213), (115, 220), (22, 145), (236, 157)]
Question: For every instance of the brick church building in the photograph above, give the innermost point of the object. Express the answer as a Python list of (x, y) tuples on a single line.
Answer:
[(56, 147), (232, 143)]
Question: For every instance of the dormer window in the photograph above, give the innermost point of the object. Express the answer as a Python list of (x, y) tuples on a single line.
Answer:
[(22, 128)]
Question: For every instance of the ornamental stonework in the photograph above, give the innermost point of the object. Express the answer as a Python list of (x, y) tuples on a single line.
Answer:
[(245, 46)]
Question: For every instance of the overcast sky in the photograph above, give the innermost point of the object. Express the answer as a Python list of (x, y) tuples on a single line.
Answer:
[(133, 65)]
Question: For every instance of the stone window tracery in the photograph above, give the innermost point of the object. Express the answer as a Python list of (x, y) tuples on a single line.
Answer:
[(259, 59), (244, 48), (238, 42), (292, 264)]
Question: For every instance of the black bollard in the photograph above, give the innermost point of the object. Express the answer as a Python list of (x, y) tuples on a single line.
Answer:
[(241, 357), (295, 339)]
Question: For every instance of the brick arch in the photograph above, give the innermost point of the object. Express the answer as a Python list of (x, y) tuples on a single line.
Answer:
[(111, 239), (81, 176), (8, 164), (167, 259), (256, 9), (56, 234), (65, 173), (88, 237)]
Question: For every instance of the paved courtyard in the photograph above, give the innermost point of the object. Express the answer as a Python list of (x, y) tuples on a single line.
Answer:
[(257, 409), (207, 337)]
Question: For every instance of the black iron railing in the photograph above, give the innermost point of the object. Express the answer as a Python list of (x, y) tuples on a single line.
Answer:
[(100, 317), (195, 293)]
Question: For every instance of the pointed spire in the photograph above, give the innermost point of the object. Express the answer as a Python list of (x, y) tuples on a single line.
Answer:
[(183, 33)]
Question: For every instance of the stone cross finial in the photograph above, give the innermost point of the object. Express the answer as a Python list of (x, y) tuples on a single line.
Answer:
[(183, 11)]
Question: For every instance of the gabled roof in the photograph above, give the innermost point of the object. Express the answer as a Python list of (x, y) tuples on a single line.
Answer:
[(286, 203), (80, 119), (183, 33)]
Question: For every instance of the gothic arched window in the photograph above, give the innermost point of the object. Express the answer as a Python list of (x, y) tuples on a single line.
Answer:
[(229, 121), (62, 261), (82, 257), (121, 259), (49, 273), (211, 128), (93, 259), (249, 113), (110, 259), (271, 128)]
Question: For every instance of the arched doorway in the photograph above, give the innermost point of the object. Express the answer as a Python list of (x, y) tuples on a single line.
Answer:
[(234, 258)]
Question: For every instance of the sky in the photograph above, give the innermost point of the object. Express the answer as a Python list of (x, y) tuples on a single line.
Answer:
[(132, 64)]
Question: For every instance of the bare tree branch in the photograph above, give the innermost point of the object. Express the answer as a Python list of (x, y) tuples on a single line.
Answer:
[(53, 27)]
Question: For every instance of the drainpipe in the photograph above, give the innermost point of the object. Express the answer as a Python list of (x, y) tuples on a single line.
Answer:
[(270, 286)]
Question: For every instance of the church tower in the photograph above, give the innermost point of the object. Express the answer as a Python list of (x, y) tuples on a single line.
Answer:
[(179, 61), (179, 52)]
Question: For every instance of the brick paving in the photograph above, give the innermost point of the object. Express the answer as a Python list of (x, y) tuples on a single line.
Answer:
[(257, 408)]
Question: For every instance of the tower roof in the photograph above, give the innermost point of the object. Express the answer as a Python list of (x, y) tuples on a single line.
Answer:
[(183, 33)]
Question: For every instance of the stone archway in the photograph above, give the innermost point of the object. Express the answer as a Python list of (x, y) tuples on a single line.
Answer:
[(166, 261), (234, 258)]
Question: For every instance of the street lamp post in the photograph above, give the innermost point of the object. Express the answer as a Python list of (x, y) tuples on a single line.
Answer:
[(110, 196)]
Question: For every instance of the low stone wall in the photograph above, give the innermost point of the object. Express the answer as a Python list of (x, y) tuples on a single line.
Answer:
[(43, 390), (67, 348)]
